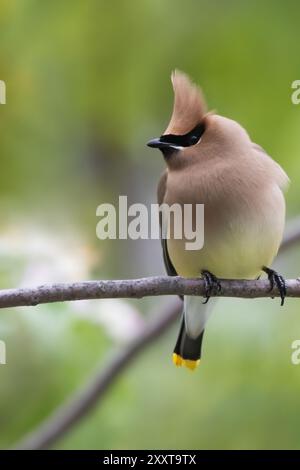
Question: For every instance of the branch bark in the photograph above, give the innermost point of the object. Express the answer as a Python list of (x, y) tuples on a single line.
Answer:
[(138, 288)]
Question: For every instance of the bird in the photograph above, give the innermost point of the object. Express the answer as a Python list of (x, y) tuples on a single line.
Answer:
[(211, 160)]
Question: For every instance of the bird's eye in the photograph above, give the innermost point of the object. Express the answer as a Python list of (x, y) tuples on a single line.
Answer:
[(193, 139), (186, 140), (195, 135)]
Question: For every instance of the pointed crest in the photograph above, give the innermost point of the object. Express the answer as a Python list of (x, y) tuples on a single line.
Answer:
[(189, 105)]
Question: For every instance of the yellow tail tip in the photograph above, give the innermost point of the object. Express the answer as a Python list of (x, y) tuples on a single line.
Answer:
[(191, 364), (179, 361)]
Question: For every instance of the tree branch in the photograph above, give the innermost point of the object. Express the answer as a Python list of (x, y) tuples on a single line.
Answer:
[(138, 288)]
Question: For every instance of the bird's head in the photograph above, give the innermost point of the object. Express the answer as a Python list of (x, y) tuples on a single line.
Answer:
[(187, 124)]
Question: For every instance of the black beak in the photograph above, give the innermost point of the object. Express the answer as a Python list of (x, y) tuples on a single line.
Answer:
[(158, 144)]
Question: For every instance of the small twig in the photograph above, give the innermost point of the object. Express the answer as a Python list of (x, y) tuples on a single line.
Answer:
[(292, 235), (68, 414)]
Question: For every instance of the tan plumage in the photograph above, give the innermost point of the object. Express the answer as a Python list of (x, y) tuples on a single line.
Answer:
[(238, 183)]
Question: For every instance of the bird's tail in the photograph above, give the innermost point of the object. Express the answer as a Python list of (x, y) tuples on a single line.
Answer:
[(187, 351)]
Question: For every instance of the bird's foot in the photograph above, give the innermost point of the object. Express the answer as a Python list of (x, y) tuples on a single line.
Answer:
[(277, 279), (212, 284)]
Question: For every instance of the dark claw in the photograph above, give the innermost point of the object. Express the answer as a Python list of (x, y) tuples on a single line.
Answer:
[(211, 283), (277, 279)]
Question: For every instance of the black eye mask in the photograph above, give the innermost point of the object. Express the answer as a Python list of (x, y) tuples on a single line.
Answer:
[(186, 140)]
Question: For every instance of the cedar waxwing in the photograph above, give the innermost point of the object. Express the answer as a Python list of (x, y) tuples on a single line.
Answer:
[(211, 160)]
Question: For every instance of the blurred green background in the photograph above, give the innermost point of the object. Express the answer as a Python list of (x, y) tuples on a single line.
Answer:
[(87, 85)]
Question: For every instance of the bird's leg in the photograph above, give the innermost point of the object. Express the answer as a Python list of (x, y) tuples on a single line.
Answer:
[(211, 283), (277, 279)]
